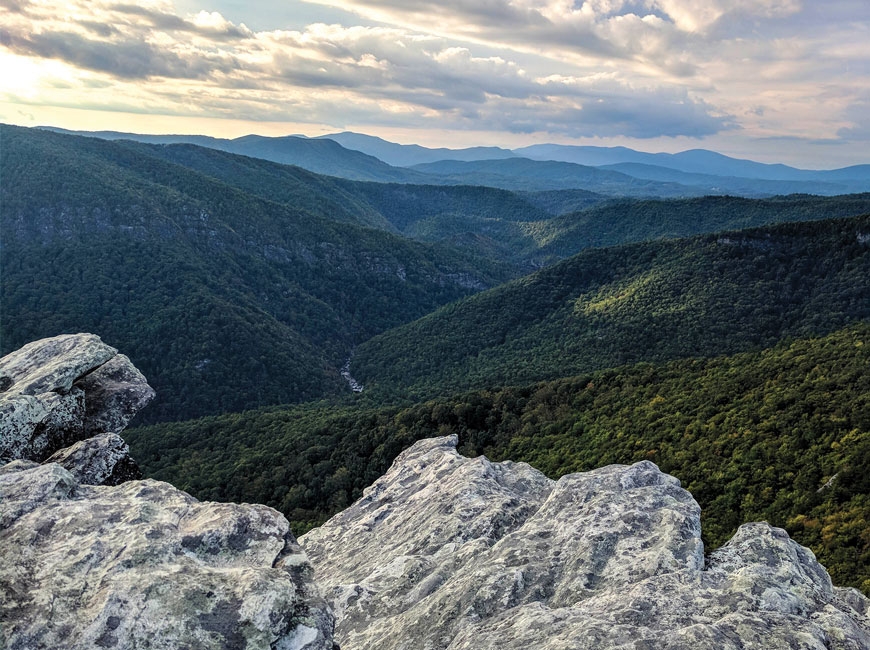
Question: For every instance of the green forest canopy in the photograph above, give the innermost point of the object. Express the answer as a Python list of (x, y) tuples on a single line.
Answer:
[(781, 435)]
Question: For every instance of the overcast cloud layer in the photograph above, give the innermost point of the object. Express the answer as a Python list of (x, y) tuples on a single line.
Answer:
[(785, 75)]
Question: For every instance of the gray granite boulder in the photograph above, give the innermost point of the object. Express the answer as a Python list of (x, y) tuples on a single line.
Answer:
[(53, 364), (57, 391), (143, 565), (447, 552), (103, 459)]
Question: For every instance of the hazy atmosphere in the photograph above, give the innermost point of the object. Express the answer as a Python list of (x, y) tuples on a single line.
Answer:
[(772, 80)]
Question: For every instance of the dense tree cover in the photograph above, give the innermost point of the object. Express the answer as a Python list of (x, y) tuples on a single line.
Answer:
[(235, 282), (223, 299), (523, 174), (322, 196), (653, 301), (781, 435), (492, 221), (559, 202), (622, 221)]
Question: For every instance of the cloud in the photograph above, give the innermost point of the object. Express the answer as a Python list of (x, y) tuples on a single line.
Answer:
[(665, 34), (858, 119), (126, 59), (210, 24), (594, 68)]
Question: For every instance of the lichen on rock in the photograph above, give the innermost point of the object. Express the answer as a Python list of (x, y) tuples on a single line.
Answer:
[(145, 565), (103, 459), (447, 552), (90, 558), (60, 390)]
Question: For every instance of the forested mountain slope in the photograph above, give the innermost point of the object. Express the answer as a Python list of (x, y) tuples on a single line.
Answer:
[(622, 221), (496, 224), (701, 296), (320, 156), (524, 174), (224, 299), (781, 435)]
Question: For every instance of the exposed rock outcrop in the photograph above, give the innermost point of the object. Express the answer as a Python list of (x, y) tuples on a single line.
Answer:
[(143, 565), (463, 554), (92, 559), (103, 459), (57, 391), (442, 553)]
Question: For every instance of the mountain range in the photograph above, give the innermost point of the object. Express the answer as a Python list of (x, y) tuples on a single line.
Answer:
[(615, 171), (250, 282), (212, 290)]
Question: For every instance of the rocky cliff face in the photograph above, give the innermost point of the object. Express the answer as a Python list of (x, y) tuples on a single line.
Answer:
[(92, 559), (450, 552)]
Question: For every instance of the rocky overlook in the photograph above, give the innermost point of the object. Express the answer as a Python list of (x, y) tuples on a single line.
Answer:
[(91, 559), (61, 390), (442, 552), (457, 553)]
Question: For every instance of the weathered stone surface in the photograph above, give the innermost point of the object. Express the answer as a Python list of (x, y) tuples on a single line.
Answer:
[(53, 364), (449, 552), (60, 390), (114, 393), (143, 565), (34, 426), (103, 459)]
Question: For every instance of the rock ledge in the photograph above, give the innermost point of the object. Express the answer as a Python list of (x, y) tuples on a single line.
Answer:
[(464, 554)]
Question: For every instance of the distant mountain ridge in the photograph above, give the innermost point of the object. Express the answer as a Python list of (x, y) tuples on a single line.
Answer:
[(319, 156), (407, 155), (689, 173), (701, 161), (324, 156)]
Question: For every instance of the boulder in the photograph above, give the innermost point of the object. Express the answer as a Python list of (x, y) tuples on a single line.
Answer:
[(114, 393), (103, 459), (450, 552), (53, 364), (57, 391), (143, 565)]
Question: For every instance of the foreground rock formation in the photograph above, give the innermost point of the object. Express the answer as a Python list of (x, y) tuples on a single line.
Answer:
[(101, 460), (443, 552), (450, 552), (91, 559), (143, 565), (55, 392)]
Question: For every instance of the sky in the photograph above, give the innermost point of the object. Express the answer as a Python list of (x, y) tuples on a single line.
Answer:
[(771, 80)]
